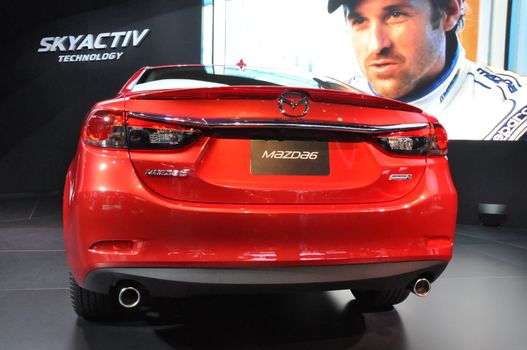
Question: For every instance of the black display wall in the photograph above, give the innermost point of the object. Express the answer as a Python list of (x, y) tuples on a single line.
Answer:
[(490, 172), (45, 95)]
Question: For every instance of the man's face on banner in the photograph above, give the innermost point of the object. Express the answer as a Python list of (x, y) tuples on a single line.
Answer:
[(398, 47)]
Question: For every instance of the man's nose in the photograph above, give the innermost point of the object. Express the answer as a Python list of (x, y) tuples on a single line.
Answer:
[(379, 38)]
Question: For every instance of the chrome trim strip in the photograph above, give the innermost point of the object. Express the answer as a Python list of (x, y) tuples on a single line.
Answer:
[(236, 123)]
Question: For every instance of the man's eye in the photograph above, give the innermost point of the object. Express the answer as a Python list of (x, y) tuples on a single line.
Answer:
[(356, 20), (396, 14)]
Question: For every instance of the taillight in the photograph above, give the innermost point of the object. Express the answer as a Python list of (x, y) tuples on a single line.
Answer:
[(439, 140), (144, 134), (431, 141), (105, 128)]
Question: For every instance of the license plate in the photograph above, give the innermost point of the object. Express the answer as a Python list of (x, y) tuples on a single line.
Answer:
[(271, 157)]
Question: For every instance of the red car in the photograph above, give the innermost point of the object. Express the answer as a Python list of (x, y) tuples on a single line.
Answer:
[(205, 179)]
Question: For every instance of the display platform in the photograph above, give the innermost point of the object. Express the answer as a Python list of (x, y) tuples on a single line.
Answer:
[(478, 303)]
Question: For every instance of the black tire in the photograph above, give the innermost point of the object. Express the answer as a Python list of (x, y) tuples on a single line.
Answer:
[(381, 298), (90, 305)]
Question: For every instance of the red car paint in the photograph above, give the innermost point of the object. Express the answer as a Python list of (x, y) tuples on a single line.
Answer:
[(374, 206)]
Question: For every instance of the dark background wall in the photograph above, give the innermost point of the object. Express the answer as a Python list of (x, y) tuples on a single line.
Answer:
[(490, 172), (43, 101)]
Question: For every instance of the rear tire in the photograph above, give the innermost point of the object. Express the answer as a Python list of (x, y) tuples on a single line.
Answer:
[(381, 298), (90, 305)]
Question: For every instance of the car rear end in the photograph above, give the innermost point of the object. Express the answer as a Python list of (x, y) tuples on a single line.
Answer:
[(257, 188)]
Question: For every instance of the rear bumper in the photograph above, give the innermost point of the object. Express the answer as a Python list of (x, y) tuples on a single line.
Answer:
[(186, 237), (177, 282)]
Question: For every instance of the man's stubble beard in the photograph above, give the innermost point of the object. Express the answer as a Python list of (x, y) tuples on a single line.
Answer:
[(414, 77)]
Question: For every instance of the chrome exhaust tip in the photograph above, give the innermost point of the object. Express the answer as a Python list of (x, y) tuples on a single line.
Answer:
[(129, 297), (421, 287)]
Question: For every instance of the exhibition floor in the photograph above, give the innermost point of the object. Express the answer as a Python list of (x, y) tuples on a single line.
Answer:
[(478, 303)]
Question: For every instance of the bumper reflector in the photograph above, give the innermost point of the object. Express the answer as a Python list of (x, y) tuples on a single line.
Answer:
[(116, 247)]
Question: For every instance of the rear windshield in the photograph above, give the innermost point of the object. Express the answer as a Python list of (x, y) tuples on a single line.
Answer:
[(184, 77)]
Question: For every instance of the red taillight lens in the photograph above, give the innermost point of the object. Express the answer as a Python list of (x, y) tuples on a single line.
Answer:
[(431, 141), (438, 140), (104, 128), (144, 134)]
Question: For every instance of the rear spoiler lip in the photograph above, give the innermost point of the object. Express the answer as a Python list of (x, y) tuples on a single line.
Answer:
[(356, 98), (272, 123)]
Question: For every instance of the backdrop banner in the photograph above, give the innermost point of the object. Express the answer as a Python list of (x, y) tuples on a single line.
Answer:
[(59, 60)]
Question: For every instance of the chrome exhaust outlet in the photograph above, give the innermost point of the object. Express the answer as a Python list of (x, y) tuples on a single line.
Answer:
[(421, 287), (129, 297)]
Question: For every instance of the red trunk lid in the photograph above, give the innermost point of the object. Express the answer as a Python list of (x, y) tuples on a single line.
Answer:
[(224, 167)]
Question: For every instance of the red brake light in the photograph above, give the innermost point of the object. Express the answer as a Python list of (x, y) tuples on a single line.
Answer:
[(432, 141), (439, 140), (105, 128)]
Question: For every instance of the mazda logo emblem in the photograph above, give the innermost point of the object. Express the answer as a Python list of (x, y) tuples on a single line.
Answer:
[(293, 104)]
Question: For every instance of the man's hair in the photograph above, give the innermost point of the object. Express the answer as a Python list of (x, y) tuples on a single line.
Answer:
[(439, 8)]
